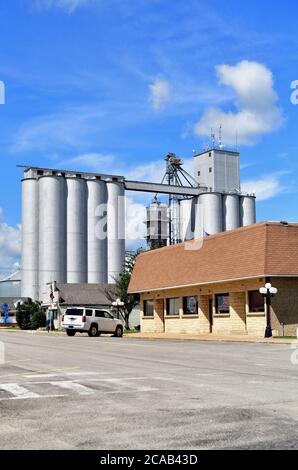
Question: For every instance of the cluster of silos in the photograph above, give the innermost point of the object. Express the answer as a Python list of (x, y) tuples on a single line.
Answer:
[(157, 224), (73, 229), (212, 213)]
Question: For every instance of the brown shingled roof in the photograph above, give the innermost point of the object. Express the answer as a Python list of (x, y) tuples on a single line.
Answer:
[(264, 249)]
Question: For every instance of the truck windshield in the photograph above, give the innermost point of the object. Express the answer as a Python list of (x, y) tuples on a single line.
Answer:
[(78, 312)]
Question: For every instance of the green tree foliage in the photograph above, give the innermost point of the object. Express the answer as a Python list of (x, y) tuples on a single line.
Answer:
[(30, 315), (119, 291), (38, 320)]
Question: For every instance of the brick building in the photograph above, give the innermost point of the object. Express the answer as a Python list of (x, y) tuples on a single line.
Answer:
[(213, 286)]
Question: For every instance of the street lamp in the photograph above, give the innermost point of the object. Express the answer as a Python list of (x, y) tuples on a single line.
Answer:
[(268, 292), (118, 304)]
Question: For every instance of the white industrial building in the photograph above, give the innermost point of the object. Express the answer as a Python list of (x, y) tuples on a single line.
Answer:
[(220, 206), (73, 223)]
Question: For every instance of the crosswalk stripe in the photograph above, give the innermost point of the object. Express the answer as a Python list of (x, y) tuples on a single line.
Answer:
[(18, 391), (124, 382), (73, 386)]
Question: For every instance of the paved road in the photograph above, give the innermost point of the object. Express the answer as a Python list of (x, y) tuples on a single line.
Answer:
[(107, 393)]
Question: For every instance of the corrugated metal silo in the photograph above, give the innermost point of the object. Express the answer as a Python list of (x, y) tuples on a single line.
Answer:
[(210, 210), (30, 238), (187, 217), (76, 230), (231, 211), (52, 230), (116, 229), (247, 210), (97, 231)]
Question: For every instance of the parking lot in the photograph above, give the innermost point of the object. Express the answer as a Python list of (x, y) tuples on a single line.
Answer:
[(58, 392)]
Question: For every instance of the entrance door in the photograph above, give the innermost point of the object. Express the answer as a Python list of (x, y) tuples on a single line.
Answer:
[(211, 314)]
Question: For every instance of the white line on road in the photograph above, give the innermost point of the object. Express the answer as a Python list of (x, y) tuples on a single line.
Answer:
[(40, 376), (124, 382), (73, 386), (83, 373), (38, 396), (18, 391)]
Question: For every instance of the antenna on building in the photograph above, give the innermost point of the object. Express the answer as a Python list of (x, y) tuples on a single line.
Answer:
[(220, 138), (212, 139), (236, 141)]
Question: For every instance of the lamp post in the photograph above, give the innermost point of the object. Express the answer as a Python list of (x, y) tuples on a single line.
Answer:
[(268, 292), (118, 304)]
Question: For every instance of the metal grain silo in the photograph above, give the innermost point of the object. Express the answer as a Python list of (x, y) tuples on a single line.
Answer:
[(210, 209), (247, 210), (97, 231), (76, 230), (231, 211), (52, 231), (199, 214), (187, 216), (116, 229), (157, 224), (29, 238)]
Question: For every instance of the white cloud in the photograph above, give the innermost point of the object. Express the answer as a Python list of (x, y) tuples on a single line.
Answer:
[(91, 161), (160, 93), (68, 5), (265, 188), (256, 102), (64, 130), (10, 247)]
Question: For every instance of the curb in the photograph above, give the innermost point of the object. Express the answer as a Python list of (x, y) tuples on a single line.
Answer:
[(218, 340)]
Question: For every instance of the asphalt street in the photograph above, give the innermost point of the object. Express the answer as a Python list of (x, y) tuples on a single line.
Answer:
[(58, 392)]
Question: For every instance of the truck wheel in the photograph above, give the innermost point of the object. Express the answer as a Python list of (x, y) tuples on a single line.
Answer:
[(93, 332), (118, 332), (70, 332)]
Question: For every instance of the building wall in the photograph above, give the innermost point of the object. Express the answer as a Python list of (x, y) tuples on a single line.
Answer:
[(239, 321), (285, 306)]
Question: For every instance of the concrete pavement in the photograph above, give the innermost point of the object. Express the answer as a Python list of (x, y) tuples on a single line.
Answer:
[(58, 392)]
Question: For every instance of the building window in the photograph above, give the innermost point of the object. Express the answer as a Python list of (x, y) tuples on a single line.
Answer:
[(173, 306), (222, 303), (148, 308), (199, 173), (190, 305), (210, 170), (256, 301)]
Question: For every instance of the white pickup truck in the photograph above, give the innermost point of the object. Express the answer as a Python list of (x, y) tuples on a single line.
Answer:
[(92, 321)]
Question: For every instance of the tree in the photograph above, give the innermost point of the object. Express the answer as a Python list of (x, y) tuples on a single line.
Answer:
[(29, 315), (38, 320), (119, 291)]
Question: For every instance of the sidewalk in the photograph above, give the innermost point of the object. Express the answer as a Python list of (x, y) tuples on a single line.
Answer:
[(212, 337)]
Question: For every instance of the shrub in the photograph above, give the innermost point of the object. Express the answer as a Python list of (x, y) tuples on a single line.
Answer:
[(30, 315), (38, 320)]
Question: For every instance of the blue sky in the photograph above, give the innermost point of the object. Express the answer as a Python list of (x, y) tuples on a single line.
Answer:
[(113, 85)]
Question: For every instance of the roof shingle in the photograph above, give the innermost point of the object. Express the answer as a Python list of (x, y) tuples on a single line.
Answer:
[(264, 249)]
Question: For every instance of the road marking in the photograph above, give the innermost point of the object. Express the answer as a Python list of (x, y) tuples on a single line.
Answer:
[(18, 391), (38, 396), (83, 373), (124, 383), (73, 386), (40, 376)]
